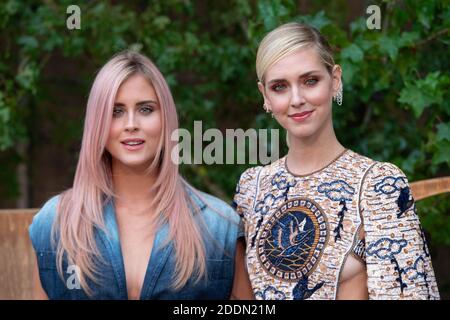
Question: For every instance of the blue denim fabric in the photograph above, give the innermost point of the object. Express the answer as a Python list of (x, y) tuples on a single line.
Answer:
[(220, 244)]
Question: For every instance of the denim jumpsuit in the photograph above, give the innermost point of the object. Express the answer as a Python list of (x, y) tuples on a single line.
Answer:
[(219, 241)]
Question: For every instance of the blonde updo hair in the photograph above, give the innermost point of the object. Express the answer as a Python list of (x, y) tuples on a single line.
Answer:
[(285, 40)]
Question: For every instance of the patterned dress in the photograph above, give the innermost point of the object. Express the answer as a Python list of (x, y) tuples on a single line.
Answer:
[(300, 230)]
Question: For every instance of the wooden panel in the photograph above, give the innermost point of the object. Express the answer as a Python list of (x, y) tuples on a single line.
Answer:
[(426, 188), (16, 254)]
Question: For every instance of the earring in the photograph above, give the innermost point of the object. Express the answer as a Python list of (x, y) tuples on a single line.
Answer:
[(339, 96), (267, 109)]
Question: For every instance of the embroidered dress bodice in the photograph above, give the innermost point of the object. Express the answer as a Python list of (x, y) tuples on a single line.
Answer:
[(300, 230)]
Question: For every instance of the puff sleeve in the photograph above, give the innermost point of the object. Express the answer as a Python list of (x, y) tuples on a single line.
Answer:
[(244, 197), (397, 256)]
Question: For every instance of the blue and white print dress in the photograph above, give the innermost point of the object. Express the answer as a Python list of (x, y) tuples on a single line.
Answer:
[(300, 230)]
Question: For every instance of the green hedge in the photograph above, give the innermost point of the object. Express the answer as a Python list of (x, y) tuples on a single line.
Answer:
[(395, 79)]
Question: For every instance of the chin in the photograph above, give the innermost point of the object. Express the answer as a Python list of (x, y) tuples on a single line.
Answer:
[(135, 163), (302, 132)]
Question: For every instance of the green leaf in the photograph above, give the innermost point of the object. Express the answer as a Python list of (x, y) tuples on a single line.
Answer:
[(27, 77), (5, 125), (358, 26), (425, 13), (415, 98), (442, 155), (409, 164), (12, 6), (29, 42), (318, 20), (161, 22), (388, 45), (348, 71), (353, 52), (53, 42), (422, 93), (443, 132), (408, 38), (271, 11)]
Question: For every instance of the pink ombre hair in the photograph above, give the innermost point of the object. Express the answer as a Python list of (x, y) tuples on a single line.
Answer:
[(80, 208)]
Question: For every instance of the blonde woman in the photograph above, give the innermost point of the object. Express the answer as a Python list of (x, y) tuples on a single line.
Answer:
[(324, 222), (131, 227)]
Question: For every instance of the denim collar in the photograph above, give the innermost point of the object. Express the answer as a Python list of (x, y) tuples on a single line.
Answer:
[(158, 257)]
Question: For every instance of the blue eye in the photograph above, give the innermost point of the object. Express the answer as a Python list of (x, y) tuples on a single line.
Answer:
[(146, 110), (311, 81), (278, 87), (117, 112)]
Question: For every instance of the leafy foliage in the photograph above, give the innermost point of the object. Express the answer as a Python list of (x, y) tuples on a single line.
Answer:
[(395, 79)]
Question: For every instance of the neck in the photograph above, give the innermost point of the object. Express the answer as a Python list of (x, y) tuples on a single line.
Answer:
[(313, 153), (132, 187)]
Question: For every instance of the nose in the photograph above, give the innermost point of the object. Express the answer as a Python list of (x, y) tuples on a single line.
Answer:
[(131, 123), (297, 98)]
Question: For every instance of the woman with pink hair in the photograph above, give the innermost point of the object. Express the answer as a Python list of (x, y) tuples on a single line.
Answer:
[(131, 227)]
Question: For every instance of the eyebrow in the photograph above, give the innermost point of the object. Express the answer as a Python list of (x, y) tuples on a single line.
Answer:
[(140, 103), (301, 76)]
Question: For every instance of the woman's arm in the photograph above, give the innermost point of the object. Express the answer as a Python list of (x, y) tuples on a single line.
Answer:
[(242, 289)]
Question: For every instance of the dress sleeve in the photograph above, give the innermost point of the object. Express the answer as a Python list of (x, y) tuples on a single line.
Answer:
[(397, 256), (244, 197)]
